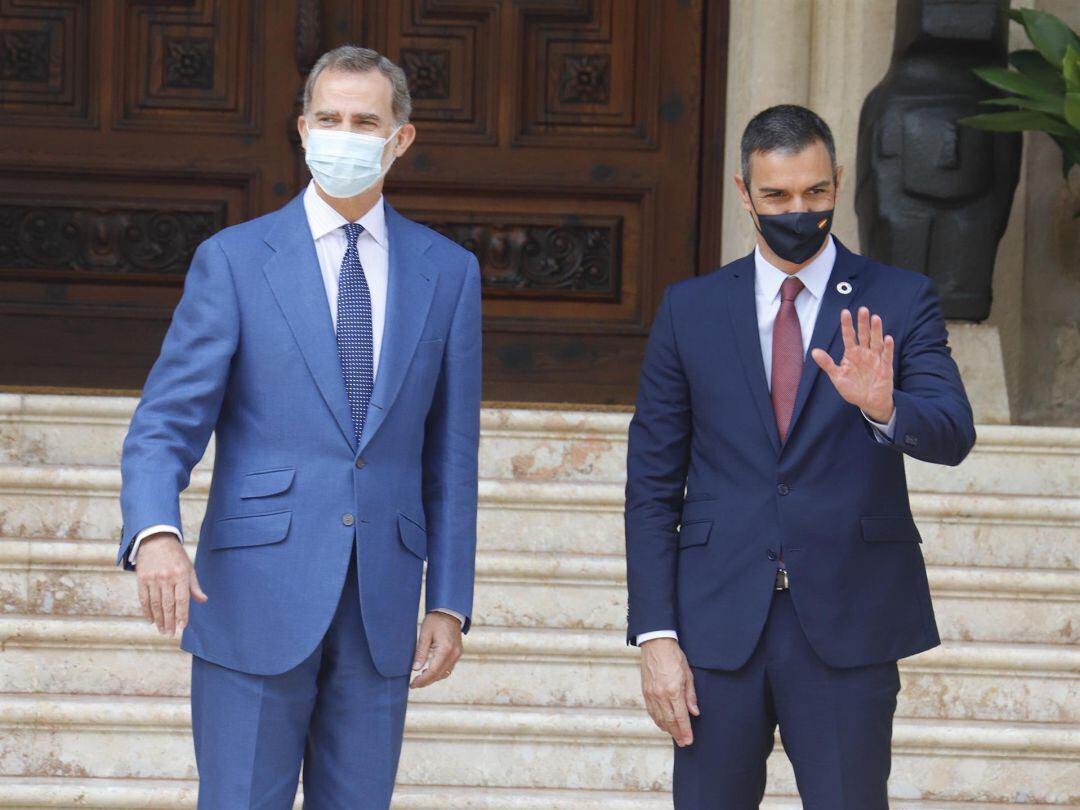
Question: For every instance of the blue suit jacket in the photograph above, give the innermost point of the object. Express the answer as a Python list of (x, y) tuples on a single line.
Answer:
[(832, 496), (251, 354)]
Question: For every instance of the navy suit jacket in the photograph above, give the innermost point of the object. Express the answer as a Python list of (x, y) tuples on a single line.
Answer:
[(251, 354), (712, 496)]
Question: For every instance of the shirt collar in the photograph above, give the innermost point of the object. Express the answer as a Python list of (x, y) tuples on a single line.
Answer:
[(323, 219), (768, 278)]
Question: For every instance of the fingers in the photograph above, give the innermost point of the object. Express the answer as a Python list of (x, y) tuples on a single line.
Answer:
[(422, 647), (443, 655), (825, 362), (863, 336), (155, 605), (691, 694), (168, 605), (180, 597), (144, 600), (196, 588), (890, 347), (680, 725), (877, 328), (847, 328)]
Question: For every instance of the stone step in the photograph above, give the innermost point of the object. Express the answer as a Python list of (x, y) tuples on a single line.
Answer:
[(545, 589), (995, 530), (135, 737), (543, 444), (28, 793), (530, 667)]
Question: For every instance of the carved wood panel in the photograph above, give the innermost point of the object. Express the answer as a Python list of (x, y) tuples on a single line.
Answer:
[(132, 130), (45, 64), (559, 140), (188, 65)]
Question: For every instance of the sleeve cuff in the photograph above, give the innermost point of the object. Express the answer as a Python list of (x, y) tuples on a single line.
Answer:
[(161, 527), (641, 639), (453, 613), (882, 431)]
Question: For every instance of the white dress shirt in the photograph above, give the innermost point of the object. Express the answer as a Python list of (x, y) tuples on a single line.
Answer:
[(330, 245), (767, 281)]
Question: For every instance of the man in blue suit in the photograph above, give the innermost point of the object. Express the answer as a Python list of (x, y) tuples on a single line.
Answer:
[(775, 575), (333, 346)]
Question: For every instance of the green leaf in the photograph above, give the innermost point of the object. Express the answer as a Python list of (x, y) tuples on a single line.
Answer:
[(1051, 107), (1072, 110), (1018, 122), (1070, 66), (1070, 153), (1016, 83), (1049, 34), (1032, 65)]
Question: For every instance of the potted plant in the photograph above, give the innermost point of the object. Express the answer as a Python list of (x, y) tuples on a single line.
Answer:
[(1044, 88)]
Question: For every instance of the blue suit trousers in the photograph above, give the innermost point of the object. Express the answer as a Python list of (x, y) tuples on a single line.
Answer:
[(835, 724), (333, 712)]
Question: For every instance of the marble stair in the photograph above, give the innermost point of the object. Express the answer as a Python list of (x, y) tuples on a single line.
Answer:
[(544, 710)]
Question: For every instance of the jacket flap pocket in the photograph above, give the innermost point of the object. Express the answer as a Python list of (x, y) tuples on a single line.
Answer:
[(695, 534), (268, 482), (889, 529), (699, 509), (251, 530), (413, 536)]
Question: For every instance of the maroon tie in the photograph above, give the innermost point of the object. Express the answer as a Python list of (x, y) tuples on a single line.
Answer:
[(787, 355)]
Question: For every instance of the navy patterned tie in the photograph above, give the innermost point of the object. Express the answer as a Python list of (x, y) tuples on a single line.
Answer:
[(354, 334)]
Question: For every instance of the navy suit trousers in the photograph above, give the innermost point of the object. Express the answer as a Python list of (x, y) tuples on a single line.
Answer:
[(835, 724)]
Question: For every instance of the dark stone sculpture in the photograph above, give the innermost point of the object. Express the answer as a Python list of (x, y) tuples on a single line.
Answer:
[(932, 195)]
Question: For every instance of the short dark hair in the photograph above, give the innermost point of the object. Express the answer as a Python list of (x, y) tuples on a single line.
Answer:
[(786, 128)]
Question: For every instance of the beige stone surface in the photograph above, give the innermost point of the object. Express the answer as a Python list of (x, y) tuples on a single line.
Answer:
[(544, 710)]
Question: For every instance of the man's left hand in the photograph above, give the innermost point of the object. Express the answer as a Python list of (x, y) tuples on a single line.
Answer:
[(437, 650), (864, 376)]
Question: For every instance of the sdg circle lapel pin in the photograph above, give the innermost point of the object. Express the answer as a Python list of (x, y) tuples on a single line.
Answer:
[(843, 288)]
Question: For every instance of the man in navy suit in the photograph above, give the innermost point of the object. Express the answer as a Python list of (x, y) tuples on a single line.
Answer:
[(774, 570), (334, 348)]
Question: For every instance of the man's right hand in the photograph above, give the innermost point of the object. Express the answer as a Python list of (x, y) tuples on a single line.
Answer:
[(668, 686), (166, 578)]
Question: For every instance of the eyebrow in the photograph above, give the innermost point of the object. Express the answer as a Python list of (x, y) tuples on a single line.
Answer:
[(767, 189), (357, 117)]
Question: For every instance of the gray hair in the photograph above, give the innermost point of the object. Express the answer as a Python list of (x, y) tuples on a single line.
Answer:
[(786, 128), (354, 59)]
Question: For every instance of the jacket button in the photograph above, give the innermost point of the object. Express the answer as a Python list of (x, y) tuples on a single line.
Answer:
[(347, 519), (360, 462), (783, 489), (771, 555)]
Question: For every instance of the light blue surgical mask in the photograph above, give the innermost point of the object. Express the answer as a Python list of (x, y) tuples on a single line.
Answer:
[(344, 163)]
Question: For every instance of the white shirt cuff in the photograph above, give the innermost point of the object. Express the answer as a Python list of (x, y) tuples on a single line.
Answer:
[(453, 613), (656, 634), (161, 527), (883, 432)]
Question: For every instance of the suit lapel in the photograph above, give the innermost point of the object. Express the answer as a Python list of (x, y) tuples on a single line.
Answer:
[(411, 287), (743, 310), (827, 327), (294, 277)]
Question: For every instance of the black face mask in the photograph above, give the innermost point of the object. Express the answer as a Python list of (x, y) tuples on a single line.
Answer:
[(795, 237)]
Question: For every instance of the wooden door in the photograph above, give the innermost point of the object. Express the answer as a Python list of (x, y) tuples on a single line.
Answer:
[(130, 130), (560, 140)]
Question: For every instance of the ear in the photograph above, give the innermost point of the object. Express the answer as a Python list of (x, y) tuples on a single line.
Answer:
[(301, 127), (404, 140), (744, 193), (839, 177)]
